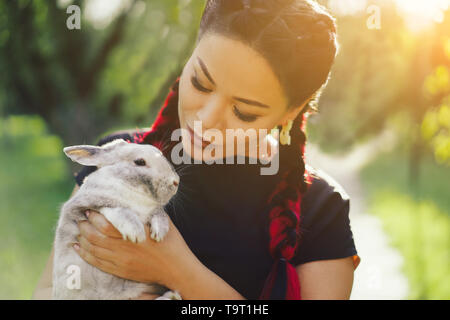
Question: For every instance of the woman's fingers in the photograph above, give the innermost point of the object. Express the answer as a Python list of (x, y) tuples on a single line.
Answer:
[(103, 265), (94, 236), (102, 225), (98, 252), (146, 296)]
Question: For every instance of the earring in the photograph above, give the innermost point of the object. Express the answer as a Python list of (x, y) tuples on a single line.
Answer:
[(285, 137)]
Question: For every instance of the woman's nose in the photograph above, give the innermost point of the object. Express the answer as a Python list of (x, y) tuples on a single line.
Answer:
[(211, 113)]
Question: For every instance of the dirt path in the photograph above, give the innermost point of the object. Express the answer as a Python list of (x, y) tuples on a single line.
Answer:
[(379, 274)]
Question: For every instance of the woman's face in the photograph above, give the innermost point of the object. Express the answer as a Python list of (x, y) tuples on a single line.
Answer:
[(227, 85)]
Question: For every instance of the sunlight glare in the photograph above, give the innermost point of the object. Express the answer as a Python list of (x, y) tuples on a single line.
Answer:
[(101, 12), (347, 7), (420, 14)]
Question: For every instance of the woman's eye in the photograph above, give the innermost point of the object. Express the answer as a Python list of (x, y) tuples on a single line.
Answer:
[(140, 162), (198, 86), (244, 117)]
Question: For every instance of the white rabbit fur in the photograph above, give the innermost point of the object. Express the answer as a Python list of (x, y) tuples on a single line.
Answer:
[(129, 195)]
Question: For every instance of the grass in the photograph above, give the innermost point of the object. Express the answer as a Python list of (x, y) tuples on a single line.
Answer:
[(416, 219), (34, 182)]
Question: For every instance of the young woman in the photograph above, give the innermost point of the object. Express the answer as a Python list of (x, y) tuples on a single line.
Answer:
[(234, 233)]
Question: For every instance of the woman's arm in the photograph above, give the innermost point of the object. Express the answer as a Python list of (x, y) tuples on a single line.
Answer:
[(43, 289), (320, 280), (326, 279), (195, 281), (170, 262)]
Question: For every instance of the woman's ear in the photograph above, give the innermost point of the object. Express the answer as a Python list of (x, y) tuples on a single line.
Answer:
[(293, 113)]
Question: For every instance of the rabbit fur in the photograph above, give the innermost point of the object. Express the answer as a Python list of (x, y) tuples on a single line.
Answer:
[(130, 188)]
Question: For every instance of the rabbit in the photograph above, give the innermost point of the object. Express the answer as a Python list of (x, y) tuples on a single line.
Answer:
[(130, 188)]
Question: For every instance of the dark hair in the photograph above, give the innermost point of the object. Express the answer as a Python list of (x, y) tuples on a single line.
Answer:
[(298, 39)]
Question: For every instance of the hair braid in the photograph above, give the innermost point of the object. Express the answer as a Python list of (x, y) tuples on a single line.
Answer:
[(284, 225)]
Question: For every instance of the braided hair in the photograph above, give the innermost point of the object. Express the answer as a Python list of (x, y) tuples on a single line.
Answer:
[(298, 40)]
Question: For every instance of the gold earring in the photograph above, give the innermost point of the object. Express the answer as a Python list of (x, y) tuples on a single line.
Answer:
[(285, 137)]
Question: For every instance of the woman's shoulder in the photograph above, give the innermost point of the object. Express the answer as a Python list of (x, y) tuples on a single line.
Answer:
[(323, 188), (325, 224)]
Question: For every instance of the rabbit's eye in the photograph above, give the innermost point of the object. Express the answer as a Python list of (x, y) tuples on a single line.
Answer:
[(140, 162)]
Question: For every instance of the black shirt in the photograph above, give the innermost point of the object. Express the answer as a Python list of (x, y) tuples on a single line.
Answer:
[(221, 212)]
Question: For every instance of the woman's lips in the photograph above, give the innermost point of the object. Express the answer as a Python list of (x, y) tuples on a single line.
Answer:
[(195, 139)]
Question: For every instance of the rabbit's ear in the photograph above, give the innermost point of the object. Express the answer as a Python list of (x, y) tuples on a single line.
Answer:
[(96, 156), (85, 155)]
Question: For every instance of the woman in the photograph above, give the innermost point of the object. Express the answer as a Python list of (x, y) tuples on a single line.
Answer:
[(234, 233)]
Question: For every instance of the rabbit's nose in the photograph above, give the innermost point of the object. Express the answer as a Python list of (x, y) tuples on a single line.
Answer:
[(175, 183)]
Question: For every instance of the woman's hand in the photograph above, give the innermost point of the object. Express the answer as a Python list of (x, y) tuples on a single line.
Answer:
[(101, 245), (147, 296)]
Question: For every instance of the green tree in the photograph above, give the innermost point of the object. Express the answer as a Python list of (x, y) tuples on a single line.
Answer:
[(84, 82)]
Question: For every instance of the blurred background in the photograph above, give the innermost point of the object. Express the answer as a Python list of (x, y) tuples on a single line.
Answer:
[(382, 130)]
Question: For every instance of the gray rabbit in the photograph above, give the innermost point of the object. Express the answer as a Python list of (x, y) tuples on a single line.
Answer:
[(130, 188)]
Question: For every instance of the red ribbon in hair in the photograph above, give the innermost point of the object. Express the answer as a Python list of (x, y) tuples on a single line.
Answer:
[(282, 282)]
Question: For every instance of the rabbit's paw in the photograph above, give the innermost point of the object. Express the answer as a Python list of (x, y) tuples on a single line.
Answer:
[(127, 222), (170, 295), (159, 226)]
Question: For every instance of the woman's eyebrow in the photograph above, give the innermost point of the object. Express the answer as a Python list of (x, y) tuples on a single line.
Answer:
[(205, 70), (252, 102), (243, 100)]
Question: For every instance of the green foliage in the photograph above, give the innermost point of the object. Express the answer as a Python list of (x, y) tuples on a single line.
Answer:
[(438, 82), (436, 123), (380, 74), (436, 130), (106, 75), (33, 184), (367, 79), (417, 220)]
